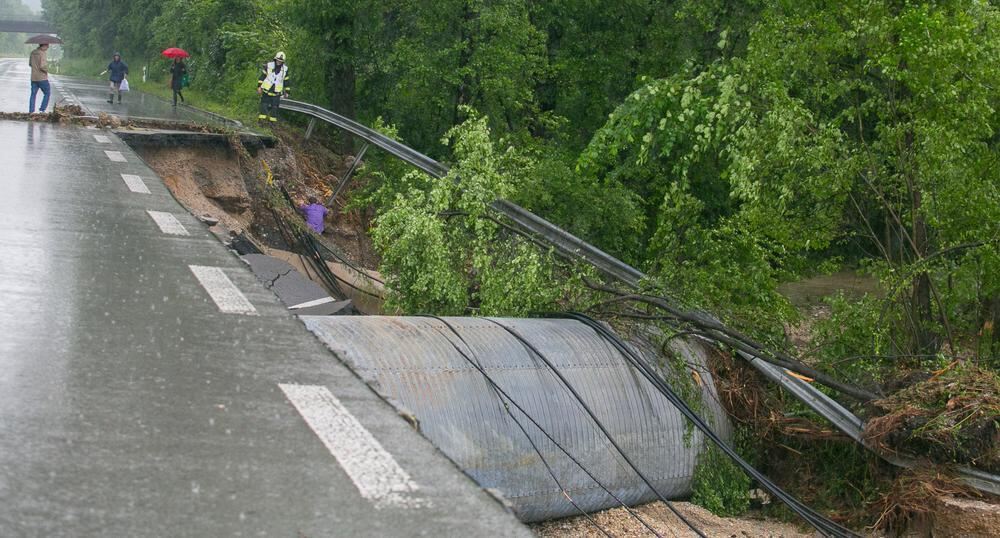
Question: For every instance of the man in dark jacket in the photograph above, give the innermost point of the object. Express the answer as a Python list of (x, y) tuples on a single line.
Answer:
[(119, 71)]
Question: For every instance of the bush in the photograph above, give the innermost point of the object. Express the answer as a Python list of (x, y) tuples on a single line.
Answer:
[(719, 485)]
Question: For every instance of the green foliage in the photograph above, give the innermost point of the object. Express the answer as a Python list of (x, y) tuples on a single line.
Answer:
[(853, 339), (441, 251), (727, 146), (719, 485)]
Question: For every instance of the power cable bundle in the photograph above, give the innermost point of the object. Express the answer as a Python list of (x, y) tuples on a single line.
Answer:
[(818, 521), (502, 395)]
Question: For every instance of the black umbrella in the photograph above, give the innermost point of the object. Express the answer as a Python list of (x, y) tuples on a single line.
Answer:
[(43, 39)]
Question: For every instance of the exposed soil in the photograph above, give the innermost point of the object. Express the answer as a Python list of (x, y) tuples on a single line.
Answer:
[(965, 517), (225, 184), (619, 523), (206, 180)]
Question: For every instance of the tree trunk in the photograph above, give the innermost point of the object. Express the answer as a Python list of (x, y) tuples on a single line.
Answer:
[(926, 340)]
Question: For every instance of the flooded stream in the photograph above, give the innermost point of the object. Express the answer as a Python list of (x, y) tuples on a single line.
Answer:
[(811, 291)]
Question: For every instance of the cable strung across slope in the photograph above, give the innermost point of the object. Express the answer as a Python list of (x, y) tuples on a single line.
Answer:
[(598, 423), (818, 521), (501, 392)]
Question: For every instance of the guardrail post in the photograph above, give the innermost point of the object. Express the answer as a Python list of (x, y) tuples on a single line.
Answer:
[(347, 176), (309, 129)]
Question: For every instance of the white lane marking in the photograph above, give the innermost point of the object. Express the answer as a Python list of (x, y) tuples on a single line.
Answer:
[(226, 295), (168, 223), (135, 184), (317, 302), (102, 139), (372, 469), (115, 156)]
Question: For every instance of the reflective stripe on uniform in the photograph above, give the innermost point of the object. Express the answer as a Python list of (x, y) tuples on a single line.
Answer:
[(274, 79)]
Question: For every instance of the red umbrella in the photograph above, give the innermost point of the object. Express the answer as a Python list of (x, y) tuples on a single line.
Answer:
[(174, 52), (43, 40)]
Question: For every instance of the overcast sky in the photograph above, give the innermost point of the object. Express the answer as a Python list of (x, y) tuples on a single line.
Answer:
[(35, 5)]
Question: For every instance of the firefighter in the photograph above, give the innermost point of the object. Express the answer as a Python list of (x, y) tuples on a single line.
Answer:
[(272, 84)]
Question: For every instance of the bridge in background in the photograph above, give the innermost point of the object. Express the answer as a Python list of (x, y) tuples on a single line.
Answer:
[(27, 24)]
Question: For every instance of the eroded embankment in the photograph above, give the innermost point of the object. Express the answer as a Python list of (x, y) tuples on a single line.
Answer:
[(232, 187)]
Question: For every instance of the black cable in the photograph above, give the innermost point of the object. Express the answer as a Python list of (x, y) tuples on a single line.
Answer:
[(599, 424), (343, 259), (309, 243), (291, 236), (531, 441), (544, 432), (818, 521)]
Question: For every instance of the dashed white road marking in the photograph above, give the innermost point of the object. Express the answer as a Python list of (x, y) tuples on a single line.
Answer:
[(372, 469), (168, 223), (116, 156), (102, 139), (226, 295), (135, 184), (316, 302)]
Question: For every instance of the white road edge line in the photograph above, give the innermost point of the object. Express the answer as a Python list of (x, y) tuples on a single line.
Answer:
[(135, 184), (116, 156), (372, 469), (316, 302), (226, 295), (102, 139), (168, 223)]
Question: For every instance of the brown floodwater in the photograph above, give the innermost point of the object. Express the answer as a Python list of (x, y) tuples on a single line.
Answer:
[(811, 291)]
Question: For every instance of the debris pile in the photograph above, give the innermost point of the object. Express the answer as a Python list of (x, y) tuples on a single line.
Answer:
[(951, 418)]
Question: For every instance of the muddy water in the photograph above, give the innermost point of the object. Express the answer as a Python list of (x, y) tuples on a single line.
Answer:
[(811, 291)]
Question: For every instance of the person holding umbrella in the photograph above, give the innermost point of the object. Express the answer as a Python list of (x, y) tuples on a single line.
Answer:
[(39, 77), (119, 71), (178, 71), (40, 70)]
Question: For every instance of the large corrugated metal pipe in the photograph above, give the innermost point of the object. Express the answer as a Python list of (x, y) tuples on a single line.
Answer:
[(426, 369)]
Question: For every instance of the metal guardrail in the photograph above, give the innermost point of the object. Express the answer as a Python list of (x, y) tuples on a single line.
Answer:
[(564, 243), (573, 247)]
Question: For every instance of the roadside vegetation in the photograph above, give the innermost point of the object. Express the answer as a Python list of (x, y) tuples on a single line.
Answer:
[(723, 148)]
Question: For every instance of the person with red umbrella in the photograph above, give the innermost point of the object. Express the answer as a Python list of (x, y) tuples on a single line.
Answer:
[(178, 71)]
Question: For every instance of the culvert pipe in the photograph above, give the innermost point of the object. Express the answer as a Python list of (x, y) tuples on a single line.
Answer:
[(412, 362)]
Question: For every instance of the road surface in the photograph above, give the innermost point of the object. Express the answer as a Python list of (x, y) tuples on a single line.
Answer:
[(151, 386), (92, 95)]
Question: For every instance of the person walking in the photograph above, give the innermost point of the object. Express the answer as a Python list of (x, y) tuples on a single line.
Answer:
[(39, 77), (177, 73), (315, 214), (272, 84), (119, 71)]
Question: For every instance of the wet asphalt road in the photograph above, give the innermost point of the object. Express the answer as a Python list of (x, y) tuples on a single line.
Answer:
[(92, 95), (134, 402)]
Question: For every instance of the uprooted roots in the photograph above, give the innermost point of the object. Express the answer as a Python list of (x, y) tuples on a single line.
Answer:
[(913, 498), (950, 418)]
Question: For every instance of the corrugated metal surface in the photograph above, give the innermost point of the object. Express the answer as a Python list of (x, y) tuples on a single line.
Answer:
[(411, 362)]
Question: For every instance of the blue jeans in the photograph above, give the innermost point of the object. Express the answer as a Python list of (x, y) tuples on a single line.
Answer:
[(46, 89)]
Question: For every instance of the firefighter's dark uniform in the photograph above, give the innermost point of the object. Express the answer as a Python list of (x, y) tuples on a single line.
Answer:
[(273, 82)]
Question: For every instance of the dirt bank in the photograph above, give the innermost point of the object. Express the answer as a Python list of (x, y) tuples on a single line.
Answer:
[(206, 180)]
